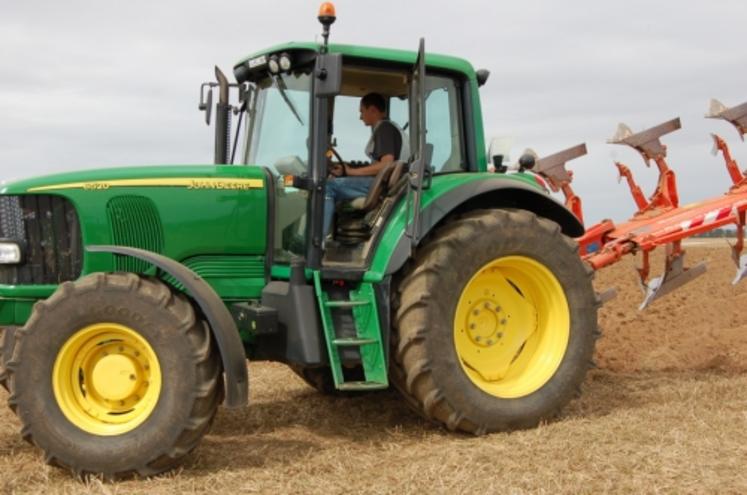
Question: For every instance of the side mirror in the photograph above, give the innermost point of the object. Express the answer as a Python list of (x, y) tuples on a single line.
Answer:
[(328, 74), (206, 101)]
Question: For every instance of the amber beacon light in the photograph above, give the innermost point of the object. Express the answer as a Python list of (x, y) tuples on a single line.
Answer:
[(327, 13)]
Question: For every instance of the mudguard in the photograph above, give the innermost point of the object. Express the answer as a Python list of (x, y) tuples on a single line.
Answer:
[(492, 193), (221, 323)]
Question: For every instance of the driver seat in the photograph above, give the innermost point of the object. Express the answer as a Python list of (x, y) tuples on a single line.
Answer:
[(353, 226)]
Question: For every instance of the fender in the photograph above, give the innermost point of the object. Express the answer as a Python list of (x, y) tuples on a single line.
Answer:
[(221, 323), (490, 193)]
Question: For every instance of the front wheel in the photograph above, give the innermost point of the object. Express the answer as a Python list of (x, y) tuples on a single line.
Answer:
[(496, 323), (114, 375)]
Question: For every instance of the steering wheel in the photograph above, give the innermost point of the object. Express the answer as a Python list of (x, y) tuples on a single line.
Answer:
[(339, 159)]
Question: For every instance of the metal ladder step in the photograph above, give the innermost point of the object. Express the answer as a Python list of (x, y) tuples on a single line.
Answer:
[(350, 342), (362, 386), (367, 338), (346, 304)]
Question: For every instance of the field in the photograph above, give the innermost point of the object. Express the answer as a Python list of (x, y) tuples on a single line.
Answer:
[(665, 412)]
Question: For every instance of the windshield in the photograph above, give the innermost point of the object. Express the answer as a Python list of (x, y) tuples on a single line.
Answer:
[(276, 138), (277, 135)]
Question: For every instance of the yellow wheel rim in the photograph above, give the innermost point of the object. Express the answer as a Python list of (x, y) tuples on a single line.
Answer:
[(511, 327), (106, 379)]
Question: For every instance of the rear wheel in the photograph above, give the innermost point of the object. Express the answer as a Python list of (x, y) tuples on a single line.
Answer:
[(114, 375), (496, 323)]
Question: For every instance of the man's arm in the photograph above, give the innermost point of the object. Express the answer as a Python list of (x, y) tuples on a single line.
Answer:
[(372, 169)]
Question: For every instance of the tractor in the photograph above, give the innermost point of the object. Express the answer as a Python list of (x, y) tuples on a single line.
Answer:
[(132, 298)]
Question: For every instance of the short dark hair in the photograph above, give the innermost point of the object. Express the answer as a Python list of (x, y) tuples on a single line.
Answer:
[(374, 100)]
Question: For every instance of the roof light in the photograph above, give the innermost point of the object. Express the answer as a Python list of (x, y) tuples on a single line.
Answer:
[(327, 12), (273, 64), (285, 62), (10, 253)]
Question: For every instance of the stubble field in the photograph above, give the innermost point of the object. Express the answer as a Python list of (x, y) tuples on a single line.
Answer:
[(665, 412)]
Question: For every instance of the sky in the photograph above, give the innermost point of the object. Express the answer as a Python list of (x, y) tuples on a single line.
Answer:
[(91, 84)]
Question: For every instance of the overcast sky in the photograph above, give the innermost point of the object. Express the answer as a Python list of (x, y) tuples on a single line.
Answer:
[(86, 84)]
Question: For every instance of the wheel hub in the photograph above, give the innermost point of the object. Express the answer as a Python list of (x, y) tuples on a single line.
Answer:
[(485, 323), (114, 377)]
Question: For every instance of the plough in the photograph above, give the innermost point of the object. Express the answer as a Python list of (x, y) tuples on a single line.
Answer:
[(659, 220)]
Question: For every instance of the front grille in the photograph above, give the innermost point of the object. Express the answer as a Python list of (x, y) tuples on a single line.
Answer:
[(48, 230)]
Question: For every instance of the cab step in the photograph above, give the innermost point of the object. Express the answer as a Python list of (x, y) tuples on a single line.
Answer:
[(368, 338), (347, 386)]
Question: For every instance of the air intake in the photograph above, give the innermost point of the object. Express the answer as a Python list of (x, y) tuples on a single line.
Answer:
[(134, 222)]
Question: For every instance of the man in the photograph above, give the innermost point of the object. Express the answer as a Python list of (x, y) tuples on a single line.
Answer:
[(386, 145)]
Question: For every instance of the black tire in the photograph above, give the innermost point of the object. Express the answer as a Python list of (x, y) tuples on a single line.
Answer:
[(190, 373), (428, 369)]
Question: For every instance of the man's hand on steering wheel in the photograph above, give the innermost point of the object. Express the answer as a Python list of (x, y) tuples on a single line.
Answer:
[(336, 169)]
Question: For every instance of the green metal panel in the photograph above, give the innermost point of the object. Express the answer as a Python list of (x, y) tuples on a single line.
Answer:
[(367, 323), (15, 311), (233, 277)]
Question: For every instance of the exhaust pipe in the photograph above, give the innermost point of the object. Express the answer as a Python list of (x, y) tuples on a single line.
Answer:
[(222, 119)]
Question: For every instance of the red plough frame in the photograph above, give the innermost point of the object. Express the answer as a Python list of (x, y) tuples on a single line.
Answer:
[(659, 220)]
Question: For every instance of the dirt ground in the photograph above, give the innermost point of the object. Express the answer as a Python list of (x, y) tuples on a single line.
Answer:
[(665, 412)]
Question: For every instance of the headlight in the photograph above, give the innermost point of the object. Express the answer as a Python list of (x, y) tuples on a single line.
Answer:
[(10, 253), (273, 64), (285, 62)]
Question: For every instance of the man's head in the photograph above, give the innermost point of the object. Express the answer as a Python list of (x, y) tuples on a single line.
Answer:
[(373, 108)]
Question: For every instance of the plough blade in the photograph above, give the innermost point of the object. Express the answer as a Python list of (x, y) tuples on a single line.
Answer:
[(553, 166), (646, 142), (675, 277), (736, 116), (741, 269)]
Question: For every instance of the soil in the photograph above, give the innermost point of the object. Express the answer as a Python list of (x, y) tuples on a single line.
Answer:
[(701, 326)]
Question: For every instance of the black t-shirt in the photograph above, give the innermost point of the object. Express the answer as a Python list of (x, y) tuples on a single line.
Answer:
[(387, 141)]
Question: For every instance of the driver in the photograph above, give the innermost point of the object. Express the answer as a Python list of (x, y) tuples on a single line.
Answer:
[(387, 144)]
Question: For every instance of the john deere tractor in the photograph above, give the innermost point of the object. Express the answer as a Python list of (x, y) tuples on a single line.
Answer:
[(131, 298)]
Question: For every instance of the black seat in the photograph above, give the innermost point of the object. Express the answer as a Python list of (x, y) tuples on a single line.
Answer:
[(386, 177), (354, 223)]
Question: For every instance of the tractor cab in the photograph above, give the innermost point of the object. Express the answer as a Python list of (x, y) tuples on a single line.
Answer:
[(299, 117)]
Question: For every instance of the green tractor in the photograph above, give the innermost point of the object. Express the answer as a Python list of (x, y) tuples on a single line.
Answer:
[(131, 298)]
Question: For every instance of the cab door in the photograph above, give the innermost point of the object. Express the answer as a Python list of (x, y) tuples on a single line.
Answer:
[(419, 168)]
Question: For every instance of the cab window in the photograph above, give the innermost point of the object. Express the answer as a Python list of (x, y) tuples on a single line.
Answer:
[(443, 124)]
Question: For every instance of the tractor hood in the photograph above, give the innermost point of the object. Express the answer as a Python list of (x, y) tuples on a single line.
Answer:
[(178, 176), (211, 218)]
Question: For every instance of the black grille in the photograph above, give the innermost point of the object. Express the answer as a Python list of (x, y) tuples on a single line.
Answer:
[(48, 230)]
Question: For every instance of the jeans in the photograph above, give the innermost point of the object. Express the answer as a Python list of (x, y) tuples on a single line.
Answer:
[(342, 189)]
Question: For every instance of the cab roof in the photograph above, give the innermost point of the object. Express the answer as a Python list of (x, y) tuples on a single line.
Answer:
[(432, 60)]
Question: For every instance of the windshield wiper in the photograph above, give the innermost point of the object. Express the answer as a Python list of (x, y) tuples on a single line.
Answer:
[(282, 87)]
